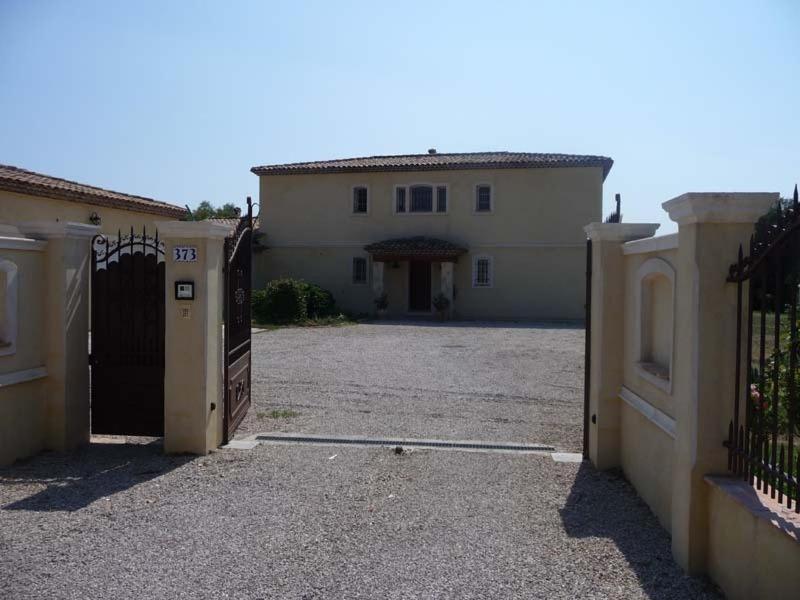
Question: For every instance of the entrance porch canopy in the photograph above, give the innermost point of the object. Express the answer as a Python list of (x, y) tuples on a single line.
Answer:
[(415, 248)]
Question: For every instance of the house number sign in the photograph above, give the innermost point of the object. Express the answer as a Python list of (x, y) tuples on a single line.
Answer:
[(184, 254)]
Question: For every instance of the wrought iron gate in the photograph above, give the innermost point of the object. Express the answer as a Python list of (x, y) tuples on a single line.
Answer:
[(763, 433), (238, 271), (127, 343)]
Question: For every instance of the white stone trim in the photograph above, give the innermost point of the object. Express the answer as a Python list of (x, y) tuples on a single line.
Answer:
[(620, 232), (21, 243), (9, 324), (653, 244), (15, 377), (658, 418), (649, 268), (193, 229), (45, 230), (718, 207)]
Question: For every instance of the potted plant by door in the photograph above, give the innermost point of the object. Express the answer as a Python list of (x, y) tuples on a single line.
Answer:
[(441, 303), (382, 304)]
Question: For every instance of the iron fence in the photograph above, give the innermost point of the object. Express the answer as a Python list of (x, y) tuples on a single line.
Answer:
[(764, 432)]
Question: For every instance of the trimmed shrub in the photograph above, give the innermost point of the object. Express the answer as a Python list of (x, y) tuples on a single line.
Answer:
[(284, 301), (319, 302), (291, 301)]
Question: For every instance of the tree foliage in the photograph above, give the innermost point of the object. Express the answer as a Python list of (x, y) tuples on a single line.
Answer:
[(206, 210)]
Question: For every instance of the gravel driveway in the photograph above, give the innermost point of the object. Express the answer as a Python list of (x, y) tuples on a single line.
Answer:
[(311, 522), (292, 522), (502, 382)]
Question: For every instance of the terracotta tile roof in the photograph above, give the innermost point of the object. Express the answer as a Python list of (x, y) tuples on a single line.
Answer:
[(22, 181), (439, 162), (415, 247), (232, 221)]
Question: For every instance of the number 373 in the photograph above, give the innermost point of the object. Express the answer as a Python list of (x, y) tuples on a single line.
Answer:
[(184, 254)]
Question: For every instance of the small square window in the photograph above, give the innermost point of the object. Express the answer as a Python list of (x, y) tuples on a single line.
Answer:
[(359, 270), (360, 200), (482, 272), (441, 199), (483, 198), (400, 200)]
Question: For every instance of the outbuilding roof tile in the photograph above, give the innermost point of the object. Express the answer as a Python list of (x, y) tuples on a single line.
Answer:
[(22, 181)]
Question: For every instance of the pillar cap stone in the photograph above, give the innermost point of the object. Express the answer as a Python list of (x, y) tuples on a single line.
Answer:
[(193, 229), (620, 232), (46, 230), (719, 207)]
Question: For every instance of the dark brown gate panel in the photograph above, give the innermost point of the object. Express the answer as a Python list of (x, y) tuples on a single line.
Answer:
[(419, 286), (238, 271), (127, 344)]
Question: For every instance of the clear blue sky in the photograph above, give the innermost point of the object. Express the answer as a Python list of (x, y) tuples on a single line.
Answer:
[(177, 100)]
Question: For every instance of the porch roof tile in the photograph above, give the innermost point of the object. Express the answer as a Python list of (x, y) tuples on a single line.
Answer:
[(421, 247)]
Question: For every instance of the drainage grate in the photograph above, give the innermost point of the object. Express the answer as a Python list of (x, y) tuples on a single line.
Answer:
[(409, 443)]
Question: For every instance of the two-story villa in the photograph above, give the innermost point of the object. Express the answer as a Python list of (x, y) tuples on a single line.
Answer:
[(500, 234)]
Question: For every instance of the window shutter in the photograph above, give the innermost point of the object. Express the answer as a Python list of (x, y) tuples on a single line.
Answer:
[(441, 199), (401, 200)]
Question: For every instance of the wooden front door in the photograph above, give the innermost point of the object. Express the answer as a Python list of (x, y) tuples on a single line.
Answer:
[(419, 286)]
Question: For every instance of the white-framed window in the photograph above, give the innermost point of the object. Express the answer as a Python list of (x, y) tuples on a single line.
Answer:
[(484, 199), (654, 322), (360, 200), (8, 307), (482, 272), (421, 198), (359, 270)]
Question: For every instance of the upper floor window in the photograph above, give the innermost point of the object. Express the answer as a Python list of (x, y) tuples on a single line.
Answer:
[(359, 270), (360, 200), (482, 271), (421, 198), (483, 198)]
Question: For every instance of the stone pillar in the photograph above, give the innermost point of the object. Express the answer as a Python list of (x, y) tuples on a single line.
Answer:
[(608, 300), (193, 379), (710, 228), (447, 284), (66, 307), (377, 277)]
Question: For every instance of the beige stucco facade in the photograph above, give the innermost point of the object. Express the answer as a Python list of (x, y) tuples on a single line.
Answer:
[(661, 383), (44, 373), (533, 236), (16, 208)]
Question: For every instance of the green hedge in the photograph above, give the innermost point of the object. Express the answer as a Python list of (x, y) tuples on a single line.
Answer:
[(291, 301)]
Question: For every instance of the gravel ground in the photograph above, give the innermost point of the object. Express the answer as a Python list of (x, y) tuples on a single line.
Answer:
[(504, 382), (123, 521)]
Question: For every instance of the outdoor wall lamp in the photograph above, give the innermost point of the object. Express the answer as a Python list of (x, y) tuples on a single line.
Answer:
[(94, 219)]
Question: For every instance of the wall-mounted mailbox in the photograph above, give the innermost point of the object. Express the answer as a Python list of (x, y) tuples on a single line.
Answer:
[(184, 290)]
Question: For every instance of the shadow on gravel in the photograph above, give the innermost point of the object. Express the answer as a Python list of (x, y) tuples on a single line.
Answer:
[(433, 322), (603, 504), (76, 479)]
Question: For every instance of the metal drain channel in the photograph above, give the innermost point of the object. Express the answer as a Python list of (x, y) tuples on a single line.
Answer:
[(400, 442)]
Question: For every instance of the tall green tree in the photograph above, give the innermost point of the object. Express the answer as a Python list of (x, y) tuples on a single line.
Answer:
[(206, 210)]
